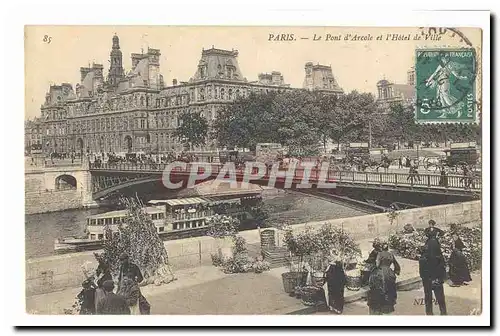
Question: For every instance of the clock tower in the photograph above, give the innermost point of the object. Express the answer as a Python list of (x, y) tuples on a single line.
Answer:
[(116, 69)]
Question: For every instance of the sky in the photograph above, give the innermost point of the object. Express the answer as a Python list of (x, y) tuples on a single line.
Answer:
[(356, 64)]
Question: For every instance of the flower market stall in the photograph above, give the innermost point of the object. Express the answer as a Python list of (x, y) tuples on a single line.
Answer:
[(309, 251), (406, 243)]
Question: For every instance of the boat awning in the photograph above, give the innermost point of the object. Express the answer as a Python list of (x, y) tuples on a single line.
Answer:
[(182, 201), (229, 201)]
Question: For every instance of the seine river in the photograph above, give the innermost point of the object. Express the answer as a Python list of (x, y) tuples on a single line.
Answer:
[(42, 229)]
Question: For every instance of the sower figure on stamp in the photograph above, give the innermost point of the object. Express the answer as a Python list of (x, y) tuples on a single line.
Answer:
[(441, 79), (433, 272)]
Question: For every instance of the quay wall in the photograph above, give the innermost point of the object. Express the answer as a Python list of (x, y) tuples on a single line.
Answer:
[(55, 273), (52, 200)]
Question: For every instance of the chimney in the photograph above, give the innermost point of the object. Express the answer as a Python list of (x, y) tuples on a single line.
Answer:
[(174, 82), (83, 73)]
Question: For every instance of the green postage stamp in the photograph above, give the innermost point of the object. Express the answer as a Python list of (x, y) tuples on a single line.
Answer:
[(445, 85)]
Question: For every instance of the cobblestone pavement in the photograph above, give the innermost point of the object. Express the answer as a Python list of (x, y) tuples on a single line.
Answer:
[(459, 301)]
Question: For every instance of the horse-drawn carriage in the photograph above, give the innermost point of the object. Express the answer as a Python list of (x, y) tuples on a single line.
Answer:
[(461, 154), (238, 157)]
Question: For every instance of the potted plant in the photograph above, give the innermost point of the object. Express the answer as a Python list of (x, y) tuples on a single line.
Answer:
[(260, 265), (299, 246), (354, 277)]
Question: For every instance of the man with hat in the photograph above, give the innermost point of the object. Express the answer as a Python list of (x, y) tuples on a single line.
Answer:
[(129, 269), (111, 303)]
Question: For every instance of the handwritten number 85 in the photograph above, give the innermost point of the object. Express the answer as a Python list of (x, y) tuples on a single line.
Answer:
[(47, 38)]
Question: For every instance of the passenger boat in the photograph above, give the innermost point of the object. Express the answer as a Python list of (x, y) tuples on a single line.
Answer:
[(173, 218), (95, 227)]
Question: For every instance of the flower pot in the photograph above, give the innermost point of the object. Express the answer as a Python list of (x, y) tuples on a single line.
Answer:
[(292, 280), (318, 279), (297, 292), (353, 283), (310, 295)]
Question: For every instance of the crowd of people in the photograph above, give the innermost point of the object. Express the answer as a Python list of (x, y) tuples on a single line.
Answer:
[(97, 159), (98, 296), (382, 270)]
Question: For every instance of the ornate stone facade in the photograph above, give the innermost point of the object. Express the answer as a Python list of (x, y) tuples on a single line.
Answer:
[(136, 111), (390, 93), (320, 78), (33, 133)]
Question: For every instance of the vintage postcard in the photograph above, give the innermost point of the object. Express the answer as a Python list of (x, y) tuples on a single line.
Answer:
[(264, 170)]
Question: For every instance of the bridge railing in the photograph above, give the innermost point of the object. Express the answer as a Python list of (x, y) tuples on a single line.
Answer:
[(333, 175)]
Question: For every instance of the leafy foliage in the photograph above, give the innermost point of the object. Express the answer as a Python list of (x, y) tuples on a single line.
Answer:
[(327, 240), (407, 244), (222, 226), (192, 130), (240, 262), (137, 237), (303, 120)]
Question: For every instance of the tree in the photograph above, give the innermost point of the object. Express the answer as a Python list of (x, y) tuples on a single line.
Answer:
[(297, 114), (246, 122), (138, 238), (401, 124), (348, 115), (192, 130)]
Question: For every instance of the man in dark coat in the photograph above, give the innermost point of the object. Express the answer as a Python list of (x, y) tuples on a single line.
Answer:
[(87, 298), (129, 269), (433, 272), (111, 303)]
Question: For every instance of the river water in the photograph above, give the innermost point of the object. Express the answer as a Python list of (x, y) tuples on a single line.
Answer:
[(42, 229)]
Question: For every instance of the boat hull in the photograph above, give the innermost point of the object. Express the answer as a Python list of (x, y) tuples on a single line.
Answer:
[(68, 245)]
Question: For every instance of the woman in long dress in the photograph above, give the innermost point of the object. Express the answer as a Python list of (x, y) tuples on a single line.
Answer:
[(459, 270), (382, 294), (103, 273), (335, 285), (131, 292), (371, 262)]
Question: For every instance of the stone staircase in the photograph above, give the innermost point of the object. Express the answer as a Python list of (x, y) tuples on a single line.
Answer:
[(276, 256)]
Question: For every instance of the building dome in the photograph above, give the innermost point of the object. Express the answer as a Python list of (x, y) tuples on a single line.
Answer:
[(383, 82)]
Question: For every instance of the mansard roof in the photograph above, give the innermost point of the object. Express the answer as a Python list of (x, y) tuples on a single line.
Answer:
[(218, 64)]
